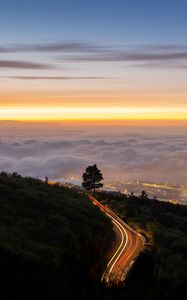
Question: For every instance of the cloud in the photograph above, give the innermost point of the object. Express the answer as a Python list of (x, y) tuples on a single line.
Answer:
[(60, 151), (170, 47), (162, 64), (129, 57), (4, 50), (55, 77), (62, 47), (65, 46), (83, 46), (17, 64), (161, 55), (55, 166)]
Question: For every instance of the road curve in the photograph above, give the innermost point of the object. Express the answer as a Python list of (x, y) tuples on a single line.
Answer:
[(131, 244)]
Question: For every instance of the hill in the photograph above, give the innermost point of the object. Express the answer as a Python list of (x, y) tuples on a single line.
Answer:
[(54, 244), (51, 239), (160, 272)]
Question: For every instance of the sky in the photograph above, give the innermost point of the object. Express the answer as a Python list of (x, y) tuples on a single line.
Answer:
[(85, 82), (87, 60)]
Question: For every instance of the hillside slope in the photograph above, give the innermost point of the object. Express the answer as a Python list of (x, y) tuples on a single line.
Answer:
[(54, 244), (51, 239), (161, 271)]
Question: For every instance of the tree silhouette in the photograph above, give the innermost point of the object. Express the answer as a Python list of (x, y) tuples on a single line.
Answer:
[(46, 180), (92, 178), (144, 195)]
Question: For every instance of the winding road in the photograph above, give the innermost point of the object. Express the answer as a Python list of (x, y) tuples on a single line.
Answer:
[(130, 245)]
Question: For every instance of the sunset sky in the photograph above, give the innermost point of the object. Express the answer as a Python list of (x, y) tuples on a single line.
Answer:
[(101, 59), (102, 81)]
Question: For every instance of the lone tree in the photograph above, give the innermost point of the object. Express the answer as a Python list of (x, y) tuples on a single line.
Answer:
[(92, 178)]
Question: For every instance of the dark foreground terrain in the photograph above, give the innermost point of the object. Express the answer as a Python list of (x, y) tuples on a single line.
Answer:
[(51, 239), (161, 270), (53, 244)]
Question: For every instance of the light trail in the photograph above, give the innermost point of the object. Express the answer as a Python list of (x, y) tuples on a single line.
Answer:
[(122, 241), (130, 246)]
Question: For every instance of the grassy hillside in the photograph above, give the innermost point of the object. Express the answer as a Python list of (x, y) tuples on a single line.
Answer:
[(51, 239), (161, 271)]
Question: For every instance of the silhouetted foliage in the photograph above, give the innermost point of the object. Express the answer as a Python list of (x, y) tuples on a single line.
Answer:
[(92, 178), (143, 195), (46, 179)]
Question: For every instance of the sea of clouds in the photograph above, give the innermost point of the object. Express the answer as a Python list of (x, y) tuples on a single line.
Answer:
[(59, 151)]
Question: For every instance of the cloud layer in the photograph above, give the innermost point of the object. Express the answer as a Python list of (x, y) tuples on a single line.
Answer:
[(66, 152), (17, 64), (52, 47), (55, 77)]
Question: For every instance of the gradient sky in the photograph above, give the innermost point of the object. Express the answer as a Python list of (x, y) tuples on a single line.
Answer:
[(80, 59)]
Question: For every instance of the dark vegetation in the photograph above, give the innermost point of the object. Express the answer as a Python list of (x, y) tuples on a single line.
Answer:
[(160, 272), (52, 238)]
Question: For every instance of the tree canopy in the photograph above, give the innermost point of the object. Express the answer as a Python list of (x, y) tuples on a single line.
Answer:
[(92, 178)]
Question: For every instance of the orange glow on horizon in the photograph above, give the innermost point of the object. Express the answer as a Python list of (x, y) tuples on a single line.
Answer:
[(38, 99), (92, 113)]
